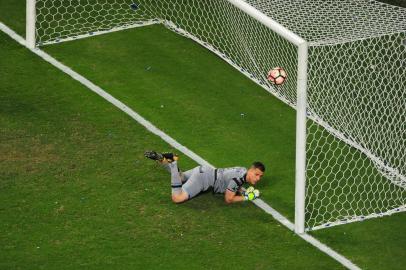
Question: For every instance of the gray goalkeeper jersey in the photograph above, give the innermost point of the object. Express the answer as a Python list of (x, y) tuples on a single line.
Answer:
[(229, 178)]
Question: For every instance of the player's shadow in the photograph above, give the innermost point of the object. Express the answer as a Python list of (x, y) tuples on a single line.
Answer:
[(206, 200)]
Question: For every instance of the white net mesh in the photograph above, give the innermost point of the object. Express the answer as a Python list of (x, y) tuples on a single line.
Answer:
[(62, 20), (356, 143), (357, 92), (331, 22)]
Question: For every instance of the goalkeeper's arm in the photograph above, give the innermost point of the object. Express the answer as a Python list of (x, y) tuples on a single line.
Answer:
[(232, 197), (248, 195)]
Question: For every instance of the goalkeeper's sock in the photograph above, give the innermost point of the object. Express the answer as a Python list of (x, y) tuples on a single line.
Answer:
[(168, 168), (176, 182)]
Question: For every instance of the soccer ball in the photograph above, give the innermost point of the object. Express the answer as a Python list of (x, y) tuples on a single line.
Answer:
[(277, 76)]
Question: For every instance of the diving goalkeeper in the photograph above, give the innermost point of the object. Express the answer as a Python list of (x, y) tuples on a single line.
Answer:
[(186, 185)]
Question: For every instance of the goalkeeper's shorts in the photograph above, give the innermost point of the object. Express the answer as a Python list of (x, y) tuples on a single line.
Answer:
[(198, 180)]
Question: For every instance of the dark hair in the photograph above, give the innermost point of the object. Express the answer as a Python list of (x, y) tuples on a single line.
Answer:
[(258, 165)]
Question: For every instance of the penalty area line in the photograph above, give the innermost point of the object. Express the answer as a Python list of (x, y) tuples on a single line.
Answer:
[(153, 129)]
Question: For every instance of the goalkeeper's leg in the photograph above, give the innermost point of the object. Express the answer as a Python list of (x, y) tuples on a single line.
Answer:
[(184, 176), (178, 194), (178, 178), (198, 181), (165, 159)]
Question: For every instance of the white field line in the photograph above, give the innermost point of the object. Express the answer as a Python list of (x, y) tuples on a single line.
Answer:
[(149, 126)]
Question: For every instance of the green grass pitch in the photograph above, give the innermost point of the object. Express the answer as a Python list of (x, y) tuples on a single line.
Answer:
[(77, 192)]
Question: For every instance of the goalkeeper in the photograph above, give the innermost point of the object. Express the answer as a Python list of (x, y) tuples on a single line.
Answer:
[(186, 185)]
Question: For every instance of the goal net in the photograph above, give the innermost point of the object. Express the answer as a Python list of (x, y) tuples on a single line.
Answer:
[(356, 77)]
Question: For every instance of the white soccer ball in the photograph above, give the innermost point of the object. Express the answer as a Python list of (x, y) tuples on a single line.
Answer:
[(277, 76)]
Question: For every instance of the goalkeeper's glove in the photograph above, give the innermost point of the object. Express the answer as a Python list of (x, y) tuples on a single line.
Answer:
[(251, 194)]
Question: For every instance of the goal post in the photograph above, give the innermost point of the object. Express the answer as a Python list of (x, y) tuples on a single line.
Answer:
[(346, 81), (301, 117), (30, 24), (302, 53)]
